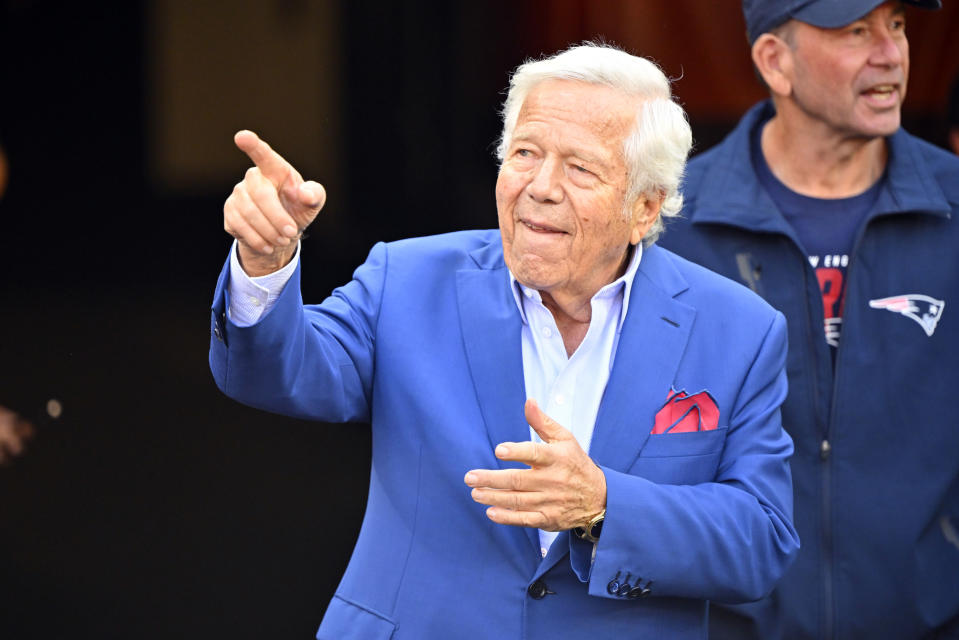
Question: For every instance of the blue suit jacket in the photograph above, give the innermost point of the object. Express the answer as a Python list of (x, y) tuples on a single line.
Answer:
[(424, 343)]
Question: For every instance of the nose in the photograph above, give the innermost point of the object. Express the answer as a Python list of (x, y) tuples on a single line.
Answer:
[(889, 49), (546, 184)]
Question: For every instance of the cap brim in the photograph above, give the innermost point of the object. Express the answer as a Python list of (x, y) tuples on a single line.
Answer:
[(833, 14)]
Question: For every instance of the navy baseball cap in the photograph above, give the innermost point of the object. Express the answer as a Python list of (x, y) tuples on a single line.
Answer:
[(763, 15)]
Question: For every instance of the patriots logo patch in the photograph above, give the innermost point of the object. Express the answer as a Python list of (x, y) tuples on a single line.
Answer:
[(923, 309)]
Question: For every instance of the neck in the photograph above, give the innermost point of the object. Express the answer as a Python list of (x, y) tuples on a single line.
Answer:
[(573, 311), (572, 319), (815, 161)]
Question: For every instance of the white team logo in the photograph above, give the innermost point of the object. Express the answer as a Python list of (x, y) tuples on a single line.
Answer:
[(923, 309)]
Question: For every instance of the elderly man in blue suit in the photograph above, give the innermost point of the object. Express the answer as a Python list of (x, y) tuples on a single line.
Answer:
[(575, 432)]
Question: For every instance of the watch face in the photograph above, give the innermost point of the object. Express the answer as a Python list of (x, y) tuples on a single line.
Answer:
[(596, 529), (593, 528)]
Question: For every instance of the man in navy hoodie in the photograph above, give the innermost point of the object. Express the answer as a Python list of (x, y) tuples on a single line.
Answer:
[(823, 205)]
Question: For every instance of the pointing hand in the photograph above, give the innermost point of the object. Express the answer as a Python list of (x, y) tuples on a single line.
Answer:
[(269, 209)]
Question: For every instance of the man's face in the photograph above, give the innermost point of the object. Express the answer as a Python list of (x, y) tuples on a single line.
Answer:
[(561, 189), (853, 78)]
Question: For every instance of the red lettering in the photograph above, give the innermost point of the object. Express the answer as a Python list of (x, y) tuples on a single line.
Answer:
[(830, 283)]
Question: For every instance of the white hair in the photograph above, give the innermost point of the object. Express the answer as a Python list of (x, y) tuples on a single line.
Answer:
[(656, 148)]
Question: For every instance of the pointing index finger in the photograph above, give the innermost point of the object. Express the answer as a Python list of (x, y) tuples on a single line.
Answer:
[(271, 164)]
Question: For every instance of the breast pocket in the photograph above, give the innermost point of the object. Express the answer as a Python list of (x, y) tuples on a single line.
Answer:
[(681, 458)]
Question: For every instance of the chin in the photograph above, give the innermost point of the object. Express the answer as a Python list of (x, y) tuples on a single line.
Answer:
[(532, 273), (880, 127)]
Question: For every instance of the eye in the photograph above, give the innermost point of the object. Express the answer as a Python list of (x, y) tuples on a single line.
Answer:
[(898, 24), (580, 174), (524, 153)]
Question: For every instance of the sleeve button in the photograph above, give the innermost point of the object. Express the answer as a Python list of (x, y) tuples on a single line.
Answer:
[(613, 587)]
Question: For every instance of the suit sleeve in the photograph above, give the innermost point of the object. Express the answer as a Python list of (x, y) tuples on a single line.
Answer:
[(314, 361), (728, 540)]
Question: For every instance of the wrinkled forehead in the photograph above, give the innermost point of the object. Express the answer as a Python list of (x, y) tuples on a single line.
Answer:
[(604, 110)]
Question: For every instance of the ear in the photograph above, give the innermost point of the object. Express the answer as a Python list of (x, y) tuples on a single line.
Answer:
[(645, 211), (773, 58)]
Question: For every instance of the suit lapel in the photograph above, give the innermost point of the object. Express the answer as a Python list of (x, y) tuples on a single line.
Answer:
[(492, 327), (491, 330), (651, 345)]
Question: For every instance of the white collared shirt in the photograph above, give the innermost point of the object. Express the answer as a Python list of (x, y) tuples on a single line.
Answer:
[(569, 389)]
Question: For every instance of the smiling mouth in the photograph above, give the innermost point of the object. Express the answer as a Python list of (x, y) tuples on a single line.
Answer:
[(882, 91), (538, 229)]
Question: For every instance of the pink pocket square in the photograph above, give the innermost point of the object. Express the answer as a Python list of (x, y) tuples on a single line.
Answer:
[(684, 413)]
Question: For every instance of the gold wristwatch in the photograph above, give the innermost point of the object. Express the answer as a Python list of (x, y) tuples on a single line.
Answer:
[(590, 532)]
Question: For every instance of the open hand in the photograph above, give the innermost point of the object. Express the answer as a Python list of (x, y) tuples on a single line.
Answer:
[(562, 489)]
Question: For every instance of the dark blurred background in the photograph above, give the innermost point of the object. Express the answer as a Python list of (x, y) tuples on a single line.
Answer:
[(155, 507)]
